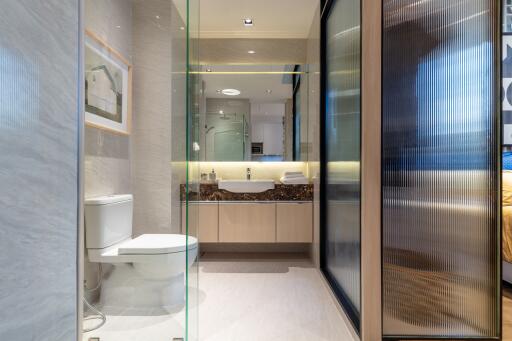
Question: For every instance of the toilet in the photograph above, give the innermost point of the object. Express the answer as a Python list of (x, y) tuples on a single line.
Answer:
[(147, 276)]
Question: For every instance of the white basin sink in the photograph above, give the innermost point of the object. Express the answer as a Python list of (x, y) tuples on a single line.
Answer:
[(246, 186)]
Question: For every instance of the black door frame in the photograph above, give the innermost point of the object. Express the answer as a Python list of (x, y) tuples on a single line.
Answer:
[(348, 307)]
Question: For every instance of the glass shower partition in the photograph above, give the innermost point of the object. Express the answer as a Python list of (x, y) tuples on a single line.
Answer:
[(192, 186)]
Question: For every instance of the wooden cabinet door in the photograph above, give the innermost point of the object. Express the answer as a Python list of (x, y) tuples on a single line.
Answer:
[(294, 222), (247, 222), (203, 221)]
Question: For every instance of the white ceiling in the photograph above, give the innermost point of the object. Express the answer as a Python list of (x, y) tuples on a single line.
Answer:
[(251, 86), (272, 18)]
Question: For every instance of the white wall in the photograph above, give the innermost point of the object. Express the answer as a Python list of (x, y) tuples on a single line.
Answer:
[(267, 126), (259, 170)]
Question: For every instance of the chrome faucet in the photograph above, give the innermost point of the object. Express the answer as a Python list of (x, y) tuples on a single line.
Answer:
[(248, 174)]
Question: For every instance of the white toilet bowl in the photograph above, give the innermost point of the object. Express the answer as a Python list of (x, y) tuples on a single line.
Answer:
[(147, 276)]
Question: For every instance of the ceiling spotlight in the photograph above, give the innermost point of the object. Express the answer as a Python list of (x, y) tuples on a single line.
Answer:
[(268, 91), (221, 112), (231, 92), (248, 22), (208, 69), (251, 52)]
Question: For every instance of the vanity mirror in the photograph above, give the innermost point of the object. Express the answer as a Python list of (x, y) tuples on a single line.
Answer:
[(254, 113)]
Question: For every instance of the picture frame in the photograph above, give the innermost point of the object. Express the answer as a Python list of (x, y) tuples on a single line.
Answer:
[(108, 86)]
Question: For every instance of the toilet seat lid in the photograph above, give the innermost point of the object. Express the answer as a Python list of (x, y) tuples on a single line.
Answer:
[(153, 244)]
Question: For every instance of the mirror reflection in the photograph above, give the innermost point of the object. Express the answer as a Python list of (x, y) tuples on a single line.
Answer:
[(254, 113)]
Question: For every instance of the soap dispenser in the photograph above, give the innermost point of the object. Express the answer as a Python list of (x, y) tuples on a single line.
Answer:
[(212, 176)]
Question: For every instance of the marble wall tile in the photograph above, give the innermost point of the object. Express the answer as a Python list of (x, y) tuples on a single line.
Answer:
[(39, 119), (146, 163), (107, 167), (107, 155), (313, 62), (152, 154), (112, 21)]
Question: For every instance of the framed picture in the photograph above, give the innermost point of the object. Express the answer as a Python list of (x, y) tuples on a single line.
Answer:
[(108, 78)]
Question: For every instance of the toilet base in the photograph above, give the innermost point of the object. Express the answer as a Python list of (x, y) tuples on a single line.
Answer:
[(125, 292)]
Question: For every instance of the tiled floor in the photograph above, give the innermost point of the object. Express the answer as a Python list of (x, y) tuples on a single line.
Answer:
[(243, 298), (266, 299)]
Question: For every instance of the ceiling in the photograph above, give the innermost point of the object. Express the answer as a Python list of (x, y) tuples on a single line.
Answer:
[(252, 86), (272, 18), (267, 51)]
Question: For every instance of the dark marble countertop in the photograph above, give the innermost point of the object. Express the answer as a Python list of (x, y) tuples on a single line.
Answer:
[(211, 192)]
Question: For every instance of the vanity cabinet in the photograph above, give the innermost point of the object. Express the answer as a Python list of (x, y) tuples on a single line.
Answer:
[(203, 221), (294, 222), (247, 222)]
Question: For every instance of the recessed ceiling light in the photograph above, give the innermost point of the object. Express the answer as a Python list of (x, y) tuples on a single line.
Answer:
[(248, 22), (231, 92), (208, 69), (251, 52), (157, 16), (118, 26), (221, 112), (268, 91)]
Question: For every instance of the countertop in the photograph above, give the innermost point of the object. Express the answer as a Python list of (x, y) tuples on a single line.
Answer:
[(281, 192)]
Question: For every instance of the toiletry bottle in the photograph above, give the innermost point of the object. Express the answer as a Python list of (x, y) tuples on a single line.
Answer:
[(213, 176)]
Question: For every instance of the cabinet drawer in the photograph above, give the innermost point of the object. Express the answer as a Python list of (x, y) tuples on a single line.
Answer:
[(294, 222), (203, 221), (247, 222)]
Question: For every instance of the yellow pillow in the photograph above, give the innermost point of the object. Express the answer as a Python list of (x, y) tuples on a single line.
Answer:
[(507, 188)]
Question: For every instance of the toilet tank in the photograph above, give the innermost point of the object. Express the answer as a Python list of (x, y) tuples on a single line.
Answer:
[(108, 220)]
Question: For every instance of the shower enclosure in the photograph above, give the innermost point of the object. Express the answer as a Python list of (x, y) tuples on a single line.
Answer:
[(226, 137), (153, 161)]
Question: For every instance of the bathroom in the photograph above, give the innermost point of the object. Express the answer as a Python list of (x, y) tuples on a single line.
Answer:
[(222, 177), (254, 169)]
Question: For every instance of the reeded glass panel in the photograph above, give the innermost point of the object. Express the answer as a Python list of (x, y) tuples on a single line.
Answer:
[(440, 181), (342, 129)]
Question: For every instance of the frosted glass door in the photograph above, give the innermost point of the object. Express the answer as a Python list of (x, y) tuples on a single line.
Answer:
[(440, 169)]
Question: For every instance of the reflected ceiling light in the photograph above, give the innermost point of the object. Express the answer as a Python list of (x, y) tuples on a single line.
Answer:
[(231, 92), (248, 22), (182, 28), (208, 69), (251, 52), (219, 91)]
